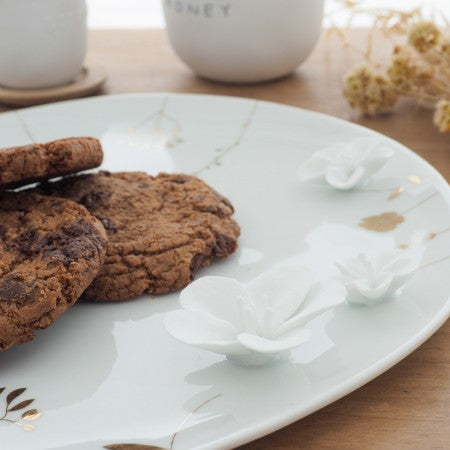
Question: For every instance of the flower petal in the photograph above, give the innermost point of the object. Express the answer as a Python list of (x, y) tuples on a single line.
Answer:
[(282, 289), (369, 147), (219, 296), (355, 297), (374, 163), (338, 178), (376, 153), (365, 287), (350, 268), (399, 262), (332, 153), (286, 342), (312, 170), (203, 330), (323, 296)]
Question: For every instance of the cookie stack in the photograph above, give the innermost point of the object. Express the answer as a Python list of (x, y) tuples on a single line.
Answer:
[(98, 236)]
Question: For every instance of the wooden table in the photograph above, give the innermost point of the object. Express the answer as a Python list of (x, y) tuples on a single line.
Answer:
[(408, 407)]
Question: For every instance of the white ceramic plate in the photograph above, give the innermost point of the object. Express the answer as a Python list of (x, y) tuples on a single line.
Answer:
[(109, 373)]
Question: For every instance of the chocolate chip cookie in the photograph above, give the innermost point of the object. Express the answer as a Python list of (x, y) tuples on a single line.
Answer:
[(51, 249), (35, 162), (161, 229)]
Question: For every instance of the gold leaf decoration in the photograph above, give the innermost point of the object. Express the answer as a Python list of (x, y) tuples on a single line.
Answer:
[(32, 414), (432, 235), (382, 222), (403, 246), (14, 394), (222, 152), (414, 179), (132, 447), (396, 193), (21, 405)]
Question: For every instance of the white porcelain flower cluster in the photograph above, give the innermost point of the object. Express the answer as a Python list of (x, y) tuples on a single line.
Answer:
[(261, 321), (346, 165)]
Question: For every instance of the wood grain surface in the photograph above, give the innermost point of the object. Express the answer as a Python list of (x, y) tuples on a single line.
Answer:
[(408, 407)]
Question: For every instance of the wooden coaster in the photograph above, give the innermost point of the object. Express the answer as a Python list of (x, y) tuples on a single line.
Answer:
[(88, 82)]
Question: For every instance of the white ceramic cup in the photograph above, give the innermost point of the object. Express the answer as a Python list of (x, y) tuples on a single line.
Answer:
[(42, 42), (243, 41)]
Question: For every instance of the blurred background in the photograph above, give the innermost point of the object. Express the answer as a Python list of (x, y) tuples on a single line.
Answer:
[(148, 13)]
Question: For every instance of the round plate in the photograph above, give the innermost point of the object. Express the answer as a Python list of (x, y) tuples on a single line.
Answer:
[(109, 374), (88, 82)]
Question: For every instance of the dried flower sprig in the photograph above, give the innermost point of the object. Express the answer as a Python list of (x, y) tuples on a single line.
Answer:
[(369, 91), (419, 67), (404, 72), (442, 116), (390, 22), (423, 35)]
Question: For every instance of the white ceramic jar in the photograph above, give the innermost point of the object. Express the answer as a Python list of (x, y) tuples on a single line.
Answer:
[(243, 41), (42, 42)]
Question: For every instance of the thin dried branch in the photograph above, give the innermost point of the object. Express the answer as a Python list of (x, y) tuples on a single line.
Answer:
[(419, 68)]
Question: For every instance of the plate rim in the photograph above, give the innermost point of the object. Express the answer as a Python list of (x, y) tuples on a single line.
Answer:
[(283, 419)]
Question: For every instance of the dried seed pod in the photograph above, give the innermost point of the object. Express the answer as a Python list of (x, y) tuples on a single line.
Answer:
[(368, 90)]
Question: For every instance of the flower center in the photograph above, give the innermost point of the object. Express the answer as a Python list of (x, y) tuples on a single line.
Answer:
[(372, 269), (346, 161), (258, 317)]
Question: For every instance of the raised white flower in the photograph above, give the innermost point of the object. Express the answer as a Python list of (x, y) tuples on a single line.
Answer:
[(252, 323), (370, 278), (345, 165)]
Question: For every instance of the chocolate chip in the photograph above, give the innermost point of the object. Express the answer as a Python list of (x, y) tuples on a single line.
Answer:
[(78, 229), (109, 224), (224, 245), (76, 250), (226, 202), (51, 240), (26, 241), (55, 256), (198, 261), (179, 180), (15, 290), (215, 209), (95, 199), (74, 241), (23, 243)]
